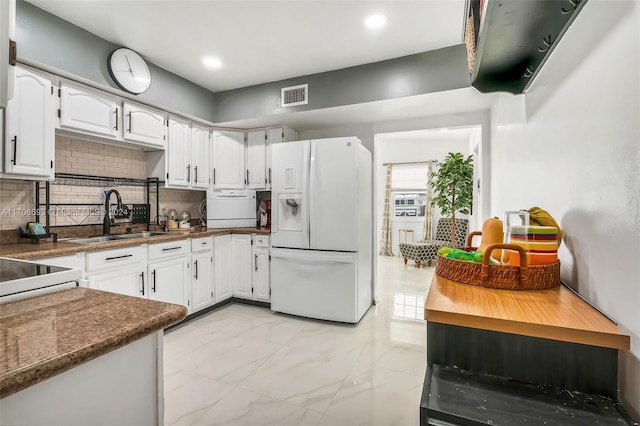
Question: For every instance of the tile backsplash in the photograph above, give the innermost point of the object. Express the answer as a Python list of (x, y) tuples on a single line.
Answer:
[(81, 205)]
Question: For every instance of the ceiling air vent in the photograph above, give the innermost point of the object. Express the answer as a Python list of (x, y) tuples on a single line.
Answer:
[(295, 95)]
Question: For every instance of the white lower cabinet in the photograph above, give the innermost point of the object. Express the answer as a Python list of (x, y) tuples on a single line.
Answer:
[(202, 273), (168, 281), (194, 272), (241, 252), (121, 270), (261, 287), (222, 266), (251, 266), (130, 281)]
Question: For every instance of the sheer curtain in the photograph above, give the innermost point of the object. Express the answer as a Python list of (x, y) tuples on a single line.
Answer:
[(385, 242), (427, 233)]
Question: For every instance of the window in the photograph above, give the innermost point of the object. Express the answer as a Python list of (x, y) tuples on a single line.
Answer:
[(410, 203), (409, 190)]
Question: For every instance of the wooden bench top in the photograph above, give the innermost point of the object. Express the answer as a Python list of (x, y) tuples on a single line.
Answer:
[(556, 314)]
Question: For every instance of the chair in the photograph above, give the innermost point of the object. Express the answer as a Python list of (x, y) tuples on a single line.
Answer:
[(427, 250)]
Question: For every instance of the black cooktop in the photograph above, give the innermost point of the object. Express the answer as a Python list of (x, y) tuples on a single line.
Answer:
[(15, 270)]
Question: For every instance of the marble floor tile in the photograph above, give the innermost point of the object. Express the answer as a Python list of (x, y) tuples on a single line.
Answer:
[(306, 378), (227, 359), (187, 395), (376, 395), (245, 365), (243, 407)]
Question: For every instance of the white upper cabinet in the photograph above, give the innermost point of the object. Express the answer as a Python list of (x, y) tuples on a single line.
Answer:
[(256, 159), (228, 159), (29, 137), (178, 154), (199, 156), (82, 109), (144, 125), (7, 26)]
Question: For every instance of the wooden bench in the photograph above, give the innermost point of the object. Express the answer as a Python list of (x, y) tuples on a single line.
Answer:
[(513, 356)]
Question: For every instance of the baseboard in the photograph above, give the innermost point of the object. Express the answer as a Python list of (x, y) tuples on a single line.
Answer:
[(217, 306)]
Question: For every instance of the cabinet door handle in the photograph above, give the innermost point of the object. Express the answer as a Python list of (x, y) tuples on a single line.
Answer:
[(247, 176), (214, 175), (116, 119), (189, 173), (142, 276), (154, 280), (15, 150), (255, 261), (129, 131), (171, 248), (195, 170), (119, 257), (269, 175), (195, 266)]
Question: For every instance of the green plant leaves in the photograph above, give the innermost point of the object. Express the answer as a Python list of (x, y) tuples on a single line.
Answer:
[(453, 185)]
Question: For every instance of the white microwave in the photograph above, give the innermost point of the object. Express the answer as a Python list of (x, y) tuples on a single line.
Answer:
[(231, 208)]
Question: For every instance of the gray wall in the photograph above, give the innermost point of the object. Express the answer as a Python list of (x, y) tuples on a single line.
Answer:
[(46, 39), (428, 72)]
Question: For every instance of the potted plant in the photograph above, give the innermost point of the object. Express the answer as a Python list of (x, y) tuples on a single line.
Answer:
[(453, 188)]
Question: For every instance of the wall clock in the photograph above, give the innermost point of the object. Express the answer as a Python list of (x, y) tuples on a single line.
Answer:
[(129, 71)]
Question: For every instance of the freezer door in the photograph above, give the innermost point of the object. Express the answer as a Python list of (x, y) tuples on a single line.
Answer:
[(314, 284), (290, 195), (333, 202)]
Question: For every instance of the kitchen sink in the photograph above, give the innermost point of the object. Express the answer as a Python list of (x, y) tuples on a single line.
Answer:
[(106, 238)]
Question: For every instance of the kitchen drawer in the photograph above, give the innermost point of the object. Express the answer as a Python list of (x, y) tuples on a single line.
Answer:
[(115, 258), (261, 241), (201, 244), (169, 249)]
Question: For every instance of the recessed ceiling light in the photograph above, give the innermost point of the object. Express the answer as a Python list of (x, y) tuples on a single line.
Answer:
[(211, 62), (375, 21)]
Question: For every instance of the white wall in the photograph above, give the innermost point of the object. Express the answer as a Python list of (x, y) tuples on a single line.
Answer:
[(389, 149), (366, 132), (571, 145)]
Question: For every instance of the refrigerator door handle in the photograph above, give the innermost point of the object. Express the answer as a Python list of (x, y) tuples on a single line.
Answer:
[(315, 257), (312, 189)]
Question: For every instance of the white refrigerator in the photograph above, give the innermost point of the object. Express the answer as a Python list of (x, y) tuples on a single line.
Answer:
[(321, 229)]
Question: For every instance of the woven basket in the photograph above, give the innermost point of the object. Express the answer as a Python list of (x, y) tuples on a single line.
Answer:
[(537, 277)]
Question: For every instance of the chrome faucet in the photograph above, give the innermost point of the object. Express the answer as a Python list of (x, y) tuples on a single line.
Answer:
[(106, 222)]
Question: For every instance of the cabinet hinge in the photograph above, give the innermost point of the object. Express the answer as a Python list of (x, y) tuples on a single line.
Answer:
[(59, 113)]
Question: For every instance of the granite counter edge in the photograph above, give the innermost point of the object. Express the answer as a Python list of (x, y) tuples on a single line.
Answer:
[(36, 373)]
